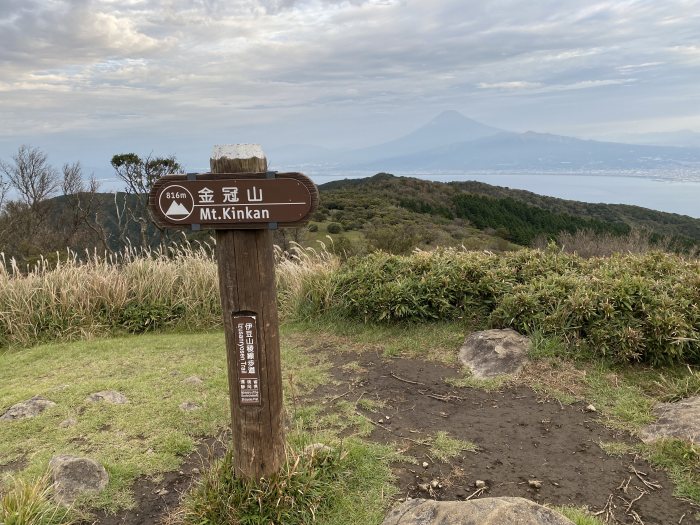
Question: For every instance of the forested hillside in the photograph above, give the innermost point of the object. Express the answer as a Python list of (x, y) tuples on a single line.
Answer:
[(515, 215)]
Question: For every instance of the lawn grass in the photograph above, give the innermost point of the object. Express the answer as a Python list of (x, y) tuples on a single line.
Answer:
[(433, 341), (148, 435)]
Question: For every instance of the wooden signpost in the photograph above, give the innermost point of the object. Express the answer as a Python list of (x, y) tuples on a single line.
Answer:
[(244, 202)]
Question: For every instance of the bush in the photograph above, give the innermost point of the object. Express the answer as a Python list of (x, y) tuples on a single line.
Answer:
[(313, 227), (334, 227), (631, 307)]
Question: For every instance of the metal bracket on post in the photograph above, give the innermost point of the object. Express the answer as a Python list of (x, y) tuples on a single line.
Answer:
[(271, 225), (271, 175), (191, 176)]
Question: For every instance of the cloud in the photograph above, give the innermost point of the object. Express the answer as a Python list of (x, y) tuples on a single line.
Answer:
[(518, 84), (70, 65)]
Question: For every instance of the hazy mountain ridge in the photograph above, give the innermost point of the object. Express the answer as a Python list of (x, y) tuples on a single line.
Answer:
[(452, 141)]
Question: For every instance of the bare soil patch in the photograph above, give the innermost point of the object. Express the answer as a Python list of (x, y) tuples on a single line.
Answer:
[(520, 436)]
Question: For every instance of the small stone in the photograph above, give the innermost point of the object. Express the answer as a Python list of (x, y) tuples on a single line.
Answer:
[(435, 483), (189, 406), (73, 476), (193, 380), (424, 487), (108, 396), (591, 408), (480, 484), (195, 470), (70, 422), (387, 418), (535, 483), (380, 421), (426, 464), (317, 449), (162, 492), (27, 409)]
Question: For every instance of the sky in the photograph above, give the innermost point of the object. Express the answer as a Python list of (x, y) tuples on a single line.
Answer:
[(85, 79)]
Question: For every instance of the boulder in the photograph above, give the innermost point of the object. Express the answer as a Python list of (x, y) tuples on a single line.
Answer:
[(493, 353), (675, 420), (107, 396), (484, 511), (73, 476), (27, 409)]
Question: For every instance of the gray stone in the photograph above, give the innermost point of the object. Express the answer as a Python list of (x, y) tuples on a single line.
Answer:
[(317, 449), (27, 409), (485, 511), (675, 420), (493, 353), (193, 380), (189, 406), (73, 476), (66, 423), (107, 396)]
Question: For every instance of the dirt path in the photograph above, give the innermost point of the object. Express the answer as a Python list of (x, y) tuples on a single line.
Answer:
[(520, 437)]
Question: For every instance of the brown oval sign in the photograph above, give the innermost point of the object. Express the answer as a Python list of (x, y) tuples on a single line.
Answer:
[(233, 201)]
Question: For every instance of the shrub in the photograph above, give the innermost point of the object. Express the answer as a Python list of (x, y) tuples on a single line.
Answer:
[(334, 227), (627, 307)]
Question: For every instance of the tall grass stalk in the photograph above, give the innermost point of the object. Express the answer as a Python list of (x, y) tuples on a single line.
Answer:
[(29, 503), (88, 295)]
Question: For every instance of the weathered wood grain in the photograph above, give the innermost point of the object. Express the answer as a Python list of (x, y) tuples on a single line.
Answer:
[(247, 281)]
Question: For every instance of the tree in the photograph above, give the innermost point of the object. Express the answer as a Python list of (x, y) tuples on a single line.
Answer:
[(33, 223), (34, 179), (78, 222), (139, 175)]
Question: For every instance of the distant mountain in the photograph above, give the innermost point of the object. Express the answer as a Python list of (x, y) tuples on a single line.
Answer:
[(447, 128), (452, 141), (684, 138), (532, 150)]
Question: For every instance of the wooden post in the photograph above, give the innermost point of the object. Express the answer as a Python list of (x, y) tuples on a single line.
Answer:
[(248, 297)]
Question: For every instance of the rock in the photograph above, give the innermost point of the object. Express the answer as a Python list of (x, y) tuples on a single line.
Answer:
[(480, 484), (493, 353), (426, 464), (189, 406), (591, 408), (317, 449), (193, 380), (675, 420), (70, 422), (73, 476), (27, 409), (485, 511), (108, 396)]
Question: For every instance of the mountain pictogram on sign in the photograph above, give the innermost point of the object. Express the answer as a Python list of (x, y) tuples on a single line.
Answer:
[(176, 210)]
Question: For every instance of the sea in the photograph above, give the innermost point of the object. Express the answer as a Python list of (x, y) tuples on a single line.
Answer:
[(669, 190)]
